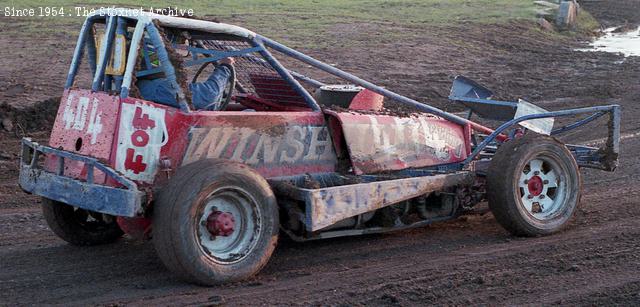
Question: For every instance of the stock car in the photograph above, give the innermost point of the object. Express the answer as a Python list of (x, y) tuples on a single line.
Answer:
[(283, 152)]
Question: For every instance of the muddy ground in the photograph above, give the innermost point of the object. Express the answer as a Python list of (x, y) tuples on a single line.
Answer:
[(467, 261)]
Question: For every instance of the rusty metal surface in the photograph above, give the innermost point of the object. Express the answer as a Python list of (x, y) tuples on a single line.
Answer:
[(85, 124), (273, 143), (379, 143), (327, 206), (125, 200)]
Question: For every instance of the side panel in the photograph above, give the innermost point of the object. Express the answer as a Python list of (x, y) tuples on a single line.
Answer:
[(141, 134), (85, 124), (327, 206), (378, 143), (273, 143)]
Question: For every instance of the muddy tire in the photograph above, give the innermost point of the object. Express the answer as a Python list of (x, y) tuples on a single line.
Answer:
[(78, 226), (214, 222), (533, 185)]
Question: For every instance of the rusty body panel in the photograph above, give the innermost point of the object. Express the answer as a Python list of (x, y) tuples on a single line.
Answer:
[(326, 206), (384, 143), (274, 143), (85, 124)]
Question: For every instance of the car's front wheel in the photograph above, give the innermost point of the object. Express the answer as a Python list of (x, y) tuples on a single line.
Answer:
[(533, 185)]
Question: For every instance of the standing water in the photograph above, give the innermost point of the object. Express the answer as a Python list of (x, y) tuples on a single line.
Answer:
[(627, 43)]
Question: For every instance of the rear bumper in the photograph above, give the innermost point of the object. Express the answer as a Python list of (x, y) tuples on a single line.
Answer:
[(119, 201)]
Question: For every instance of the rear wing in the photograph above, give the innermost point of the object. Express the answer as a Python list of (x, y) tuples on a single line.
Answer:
[(478, 100)]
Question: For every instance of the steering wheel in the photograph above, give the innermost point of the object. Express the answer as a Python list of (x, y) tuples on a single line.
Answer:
[(228, 89)]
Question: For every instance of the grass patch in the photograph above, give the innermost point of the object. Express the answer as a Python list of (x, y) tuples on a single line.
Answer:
[(284, 19), (586, 23)]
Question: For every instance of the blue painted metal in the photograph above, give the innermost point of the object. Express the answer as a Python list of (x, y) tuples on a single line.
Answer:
[(284, 73), (579, 123), (313, 82), (145, 54), (85, 33), (613, 141), (121, 29), (467, 91), (215, 55), (467, 88), (136, 40), (487, 108), (105, 51), (151, 71), (125, 201), (91, 52), (612, 146), (587, 156)]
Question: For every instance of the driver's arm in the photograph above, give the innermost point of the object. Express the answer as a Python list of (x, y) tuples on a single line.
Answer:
[(206, 95)]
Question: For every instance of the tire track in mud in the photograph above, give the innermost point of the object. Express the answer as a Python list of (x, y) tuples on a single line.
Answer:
[(468, 260), (462, 272)]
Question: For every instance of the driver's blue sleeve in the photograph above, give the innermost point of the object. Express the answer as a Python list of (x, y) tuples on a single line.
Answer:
[(158, 90), (207, 95)]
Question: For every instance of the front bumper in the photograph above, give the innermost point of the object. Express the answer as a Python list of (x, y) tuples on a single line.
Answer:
[(119, 201)]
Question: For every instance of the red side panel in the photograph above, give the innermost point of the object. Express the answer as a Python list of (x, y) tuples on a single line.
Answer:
[(85, 124), (273, 143), (378, 143)]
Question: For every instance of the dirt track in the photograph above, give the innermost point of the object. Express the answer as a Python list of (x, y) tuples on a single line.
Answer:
[(468, 261)]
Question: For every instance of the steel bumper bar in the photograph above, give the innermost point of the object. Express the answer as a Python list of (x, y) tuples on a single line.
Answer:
[(119, 201)]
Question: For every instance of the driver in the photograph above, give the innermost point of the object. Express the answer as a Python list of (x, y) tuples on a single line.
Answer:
[(205, 95)]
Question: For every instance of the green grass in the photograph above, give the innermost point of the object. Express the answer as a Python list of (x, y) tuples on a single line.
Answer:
[(586, 23), (299, 18)]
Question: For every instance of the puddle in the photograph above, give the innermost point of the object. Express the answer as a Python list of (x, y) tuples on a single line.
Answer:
[(627, 43)]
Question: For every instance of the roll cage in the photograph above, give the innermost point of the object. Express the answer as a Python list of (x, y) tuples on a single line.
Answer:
[(116, 23), (258, 51)]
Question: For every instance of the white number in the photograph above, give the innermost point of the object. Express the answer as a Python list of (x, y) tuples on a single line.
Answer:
[(76, 119)]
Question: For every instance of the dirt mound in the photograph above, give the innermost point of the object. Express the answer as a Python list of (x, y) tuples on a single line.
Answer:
[(37, 117)]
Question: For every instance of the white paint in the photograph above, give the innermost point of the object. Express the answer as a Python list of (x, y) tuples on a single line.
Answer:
[(404, 139), (68, 116), (95, 124), (76, 117), (81, 113), (150, 153), (289, 147), (627, 43)]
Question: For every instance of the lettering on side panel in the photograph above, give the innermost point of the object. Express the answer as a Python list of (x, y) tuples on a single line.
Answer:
[(295, 144)]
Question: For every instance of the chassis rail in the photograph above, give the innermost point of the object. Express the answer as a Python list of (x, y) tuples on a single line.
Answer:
[(125, 201)]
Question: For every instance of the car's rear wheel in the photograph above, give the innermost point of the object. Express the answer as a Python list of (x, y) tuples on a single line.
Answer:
[(216, 221), (533, 185), (79, 226)]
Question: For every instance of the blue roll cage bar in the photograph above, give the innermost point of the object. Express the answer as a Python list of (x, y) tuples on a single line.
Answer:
[(117, 24)]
